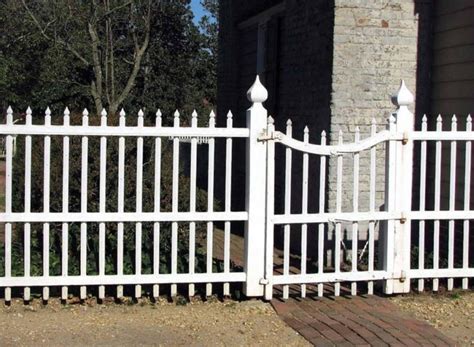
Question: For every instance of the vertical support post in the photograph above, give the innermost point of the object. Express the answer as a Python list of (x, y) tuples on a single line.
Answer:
[(255, 191), (398, 196)]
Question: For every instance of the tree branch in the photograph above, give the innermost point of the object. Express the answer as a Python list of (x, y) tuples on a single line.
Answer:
[(49, 38)]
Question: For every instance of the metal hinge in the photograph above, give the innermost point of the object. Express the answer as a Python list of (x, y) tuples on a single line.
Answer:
[(274, 136), (405, 138), (264, 281)]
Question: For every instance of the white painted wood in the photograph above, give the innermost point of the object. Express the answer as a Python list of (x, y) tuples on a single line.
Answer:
[(304, 204), (192, 205), (139, 204), (157, 205), (355, 208), (255, 188), (437, 203), (46, 196), (86, 217), (373, 177), (227, 201), (332, 277), (65, 207), (269, 227), (338, 231), (8, 203), (363, 145), (421, 224), (102, 201), (405, 123), (322, 200), (27, 226), (84, 170), (122, 280), (452, 202), (120, 200), (174, 203), (210, 203), (390, 189), (128, 131), (286, 228), (467, 202)]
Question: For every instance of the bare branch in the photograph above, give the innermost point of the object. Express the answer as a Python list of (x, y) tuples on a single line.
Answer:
[(55, 39)]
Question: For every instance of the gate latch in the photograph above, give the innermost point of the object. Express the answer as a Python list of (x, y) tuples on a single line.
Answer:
[(264, 281), (273, 136)]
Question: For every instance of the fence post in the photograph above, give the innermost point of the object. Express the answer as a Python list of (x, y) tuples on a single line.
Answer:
[(398, 194), (255, 191)]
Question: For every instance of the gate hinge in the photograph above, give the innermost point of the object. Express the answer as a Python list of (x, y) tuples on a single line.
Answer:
[(264, 281), (405, 138), (403, 218), (275, 135)]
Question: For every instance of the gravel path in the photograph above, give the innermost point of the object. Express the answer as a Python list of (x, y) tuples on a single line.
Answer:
[(451, 313), (196, 324)]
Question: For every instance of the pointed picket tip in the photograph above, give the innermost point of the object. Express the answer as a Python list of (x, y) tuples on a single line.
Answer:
[(229, 114), (289, 122), (122, 113), (66, 111), (140, 113), (469, 119), (158, 113), (439, 118), (454, 118), (257, 93), (374, 121), (357, 129), (176, 114), (403, 97), (306, 129), (270, 120), (28, 111), (340, 132), (194, 114), (10, 110), (103, 113), (323, 133), (85, 113), (47, 112), (212, 114), (424, 119)]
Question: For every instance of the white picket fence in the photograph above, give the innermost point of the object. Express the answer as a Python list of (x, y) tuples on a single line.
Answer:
[(299, 272)]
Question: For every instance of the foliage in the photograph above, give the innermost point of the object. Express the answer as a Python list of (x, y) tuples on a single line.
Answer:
[(75, 53), (47, 56)]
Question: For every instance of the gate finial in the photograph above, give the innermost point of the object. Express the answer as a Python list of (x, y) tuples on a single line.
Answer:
[(403, 97), (257, 92)]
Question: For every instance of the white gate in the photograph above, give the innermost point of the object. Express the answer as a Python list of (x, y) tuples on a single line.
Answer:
[(355, 261)]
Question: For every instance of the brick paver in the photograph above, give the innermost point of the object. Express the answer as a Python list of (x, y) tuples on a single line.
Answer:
[(356, 321)]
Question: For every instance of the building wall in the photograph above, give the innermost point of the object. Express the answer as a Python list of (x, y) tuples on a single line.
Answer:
[(297, 72), (375, 46), (453, 58), (452, 85)]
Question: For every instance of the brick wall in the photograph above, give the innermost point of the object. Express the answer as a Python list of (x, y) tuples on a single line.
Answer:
[(375, 45)]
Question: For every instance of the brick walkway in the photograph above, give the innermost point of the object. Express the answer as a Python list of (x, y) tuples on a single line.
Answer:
[(345, 320), (357, 321)]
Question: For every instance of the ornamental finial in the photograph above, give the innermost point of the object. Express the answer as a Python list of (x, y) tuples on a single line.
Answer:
[(403, 97), (257, 92)]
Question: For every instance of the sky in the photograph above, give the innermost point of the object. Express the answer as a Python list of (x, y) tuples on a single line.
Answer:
[(197, 10)]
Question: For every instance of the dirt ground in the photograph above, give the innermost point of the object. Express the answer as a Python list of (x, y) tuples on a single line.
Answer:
[(195, 324), (451, 313)]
